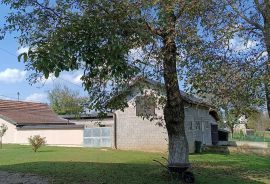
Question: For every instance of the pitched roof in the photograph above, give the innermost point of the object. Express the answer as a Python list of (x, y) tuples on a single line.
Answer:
[(28, 113), (189, 98)]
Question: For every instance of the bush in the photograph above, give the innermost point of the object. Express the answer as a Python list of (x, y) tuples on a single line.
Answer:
[(37, 141), (3, 129)]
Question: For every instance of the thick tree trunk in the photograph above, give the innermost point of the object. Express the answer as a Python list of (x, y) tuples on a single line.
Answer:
[(174, 109), (232, 130), (267, 44)]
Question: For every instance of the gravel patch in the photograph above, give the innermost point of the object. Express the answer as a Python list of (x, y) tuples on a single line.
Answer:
[(20, 178)]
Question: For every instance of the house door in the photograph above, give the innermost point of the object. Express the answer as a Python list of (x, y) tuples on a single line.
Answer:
[(97, 137), (203, 132), (214, 134)]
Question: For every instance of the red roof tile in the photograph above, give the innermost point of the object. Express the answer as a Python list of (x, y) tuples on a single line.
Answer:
[(29, 113)]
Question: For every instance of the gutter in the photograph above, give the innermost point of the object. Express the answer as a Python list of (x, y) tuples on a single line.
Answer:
[(29, 127), (115, 129)]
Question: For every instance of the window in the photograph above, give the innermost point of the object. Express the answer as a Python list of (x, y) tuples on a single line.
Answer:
[(190, 125), (206, 125), (145, 106), (198, 125)]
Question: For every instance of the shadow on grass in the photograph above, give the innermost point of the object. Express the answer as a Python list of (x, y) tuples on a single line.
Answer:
[(123, 173)]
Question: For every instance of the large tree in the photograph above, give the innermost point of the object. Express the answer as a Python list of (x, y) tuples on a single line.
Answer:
[(99, 36), (233, 86), (243, 28)]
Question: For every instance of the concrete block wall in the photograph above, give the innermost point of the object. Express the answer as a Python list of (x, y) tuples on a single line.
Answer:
[(136, 133)]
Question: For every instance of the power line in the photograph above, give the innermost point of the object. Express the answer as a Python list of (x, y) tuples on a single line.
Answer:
[(8, 52)]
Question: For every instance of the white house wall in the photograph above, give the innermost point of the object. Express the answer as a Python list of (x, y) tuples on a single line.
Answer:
[(10, 135), (64, 137), (194, 114), (136, 133)]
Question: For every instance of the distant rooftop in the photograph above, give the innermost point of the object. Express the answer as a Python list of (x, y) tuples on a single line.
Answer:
[(29, 113)]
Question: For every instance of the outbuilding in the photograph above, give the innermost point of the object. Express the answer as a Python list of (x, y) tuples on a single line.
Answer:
[(127, 130), (25, 119)]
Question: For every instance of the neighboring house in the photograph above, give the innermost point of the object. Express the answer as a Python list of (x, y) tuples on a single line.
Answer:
[(241, 127), (25, 119), (129, 131)]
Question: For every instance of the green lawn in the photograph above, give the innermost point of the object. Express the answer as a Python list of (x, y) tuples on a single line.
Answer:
[(97, 166), (257, 137)]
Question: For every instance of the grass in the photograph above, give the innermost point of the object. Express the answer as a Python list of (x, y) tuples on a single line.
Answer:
[(99, 166), (265, 134), (257, 137)]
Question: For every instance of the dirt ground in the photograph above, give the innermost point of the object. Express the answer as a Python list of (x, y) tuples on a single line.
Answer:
[(20, 178)]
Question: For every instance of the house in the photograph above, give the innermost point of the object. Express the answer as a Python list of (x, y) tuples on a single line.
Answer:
[(241, 127), (126, 129), (129, 131), (25, 119)]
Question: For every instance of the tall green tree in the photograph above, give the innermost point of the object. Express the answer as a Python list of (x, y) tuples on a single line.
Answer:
[(243, 28), (98, 36), (64, 100), (232, 86)]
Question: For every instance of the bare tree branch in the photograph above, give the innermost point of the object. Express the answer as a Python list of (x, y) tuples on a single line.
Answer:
[(181, 10), (239, 13), (153, 30), (260, 8), (47, 8)]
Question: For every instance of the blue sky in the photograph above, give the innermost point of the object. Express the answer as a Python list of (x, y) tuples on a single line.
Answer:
[(13, 75)]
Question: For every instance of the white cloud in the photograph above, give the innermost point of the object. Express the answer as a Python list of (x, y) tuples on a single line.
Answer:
[(136, 54), (50, 79), (12, 75), (70, 77), (37, 97), (74, 78), (239, 44), (264, 54), (22, 50)]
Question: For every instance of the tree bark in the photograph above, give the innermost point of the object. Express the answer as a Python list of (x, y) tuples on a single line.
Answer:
[(267, 44), (232, 129), (174, 108)]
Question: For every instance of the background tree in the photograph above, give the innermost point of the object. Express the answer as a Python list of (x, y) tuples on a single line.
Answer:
[(233, 86), (3, 129), (98, 37), (242, 27), (258, 121), (64, 100)]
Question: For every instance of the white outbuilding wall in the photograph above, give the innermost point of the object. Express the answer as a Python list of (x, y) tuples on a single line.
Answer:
[(59, 137)]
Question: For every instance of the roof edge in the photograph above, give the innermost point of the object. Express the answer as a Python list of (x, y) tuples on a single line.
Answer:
[(185, 96), (8, 119), (27, 127)]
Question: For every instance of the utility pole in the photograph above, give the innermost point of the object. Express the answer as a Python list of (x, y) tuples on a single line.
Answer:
[(18, 93)]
